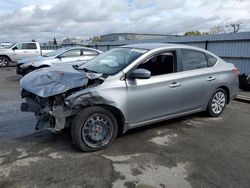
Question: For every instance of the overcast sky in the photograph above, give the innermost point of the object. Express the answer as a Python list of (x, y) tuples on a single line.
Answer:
[(43, 20)]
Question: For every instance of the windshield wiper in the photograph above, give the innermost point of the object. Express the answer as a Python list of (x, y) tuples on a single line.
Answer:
[(84, 69)]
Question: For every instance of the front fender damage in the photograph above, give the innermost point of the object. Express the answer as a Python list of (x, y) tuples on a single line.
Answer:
[(57, 112), (87, 99)]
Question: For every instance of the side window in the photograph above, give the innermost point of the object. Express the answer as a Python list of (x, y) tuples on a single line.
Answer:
[(72, 53), (26, 46), (211, 60), (31, 46), (21, 46), (89, 53), (193, 60), (160, 64)]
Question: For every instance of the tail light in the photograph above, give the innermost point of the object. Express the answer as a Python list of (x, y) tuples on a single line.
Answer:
[(236, 71)]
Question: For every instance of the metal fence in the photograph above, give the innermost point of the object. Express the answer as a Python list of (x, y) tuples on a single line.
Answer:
[(232, 47)]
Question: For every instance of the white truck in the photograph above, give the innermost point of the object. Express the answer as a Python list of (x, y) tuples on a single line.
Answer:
[(19, 51)]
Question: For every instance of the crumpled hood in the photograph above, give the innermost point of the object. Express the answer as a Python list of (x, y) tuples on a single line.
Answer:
[(47, 82)]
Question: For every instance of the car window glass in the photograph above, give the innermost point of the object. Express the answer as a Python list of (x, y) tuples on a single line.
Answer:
[(89, 53), (72, 53), (163, 63), (31, 46), (193, 60), (21, 46), (211, 60), (113, 61), (26, 46), (54, 53)]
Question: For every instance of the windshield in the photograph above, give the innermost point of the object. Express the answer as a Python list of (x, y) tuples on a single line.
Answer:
[(113, 61), (54, 53)]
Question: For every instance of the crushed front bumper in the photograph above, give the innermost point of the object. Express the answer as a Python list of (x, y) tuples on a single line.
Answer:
[(51, 118)]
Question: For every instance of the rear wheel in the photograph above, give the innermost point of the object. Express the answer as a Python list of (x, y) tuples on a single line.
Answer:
[(93, 129), (4, 61), (217, 103)]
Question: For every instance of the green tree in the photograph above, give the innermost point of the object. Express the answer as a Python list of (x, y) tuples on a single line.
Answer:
[(96, 39), (194, 33)]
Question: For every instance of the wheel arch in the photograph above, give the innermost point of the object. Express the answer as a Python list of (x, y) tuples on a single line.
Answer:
[(118, 115), (226, 89), (6, 56), (115, 111)]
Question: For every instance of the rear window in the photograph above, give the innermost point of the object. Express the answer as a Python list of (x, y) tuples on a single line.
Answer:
[(31, 46), (193, 60), (211, 60)]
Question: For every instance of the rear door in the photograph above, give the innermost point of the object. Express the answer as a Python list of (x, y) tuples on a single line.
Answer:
[(198, 80)]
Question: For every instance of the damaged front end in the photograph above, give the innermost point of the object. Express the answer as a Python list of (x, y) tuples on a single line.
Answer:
[(45, 92), (51, 112)]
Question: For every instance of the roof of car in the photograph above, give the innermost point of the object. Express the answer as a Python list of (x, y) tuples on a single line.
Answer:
[(77, 47), (150, 46), (80, 47)]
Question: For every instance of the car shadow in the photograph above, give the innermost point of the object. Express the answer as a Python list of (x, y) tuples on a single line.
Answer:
[(14, 78), (62, 141), (174, 124)]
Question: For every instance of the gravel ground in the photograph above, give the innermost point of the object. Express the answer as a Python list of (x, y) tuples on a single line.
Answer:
[(193, 151)]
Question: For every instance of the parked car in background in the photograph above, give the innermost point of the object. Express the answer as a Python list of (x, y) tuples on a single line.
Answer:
[(61, 57), (128, 87), (15, 52), (244, 82), (5, 44)]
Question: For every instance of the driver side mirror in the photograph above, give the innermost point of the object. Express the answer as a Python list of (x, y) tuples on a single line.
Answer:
[(60, 56), (141, 74)]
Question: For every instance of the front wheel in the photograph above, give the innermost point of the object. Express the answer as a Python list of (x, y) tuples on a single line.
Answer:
[(93, 129), (217, 103), (4, 61)]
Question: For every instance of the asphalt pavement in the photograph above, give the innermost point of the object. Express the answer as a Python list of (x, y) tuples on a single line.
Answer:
[(193, 151)]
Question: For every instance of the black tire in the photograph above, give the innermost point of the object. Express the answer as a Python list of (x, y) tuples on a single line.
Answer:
[(212, 104), (4, 61), (81, 124)]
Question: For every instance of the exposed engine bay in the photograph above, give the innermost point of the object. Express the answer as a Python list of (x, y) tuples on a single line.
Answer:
[(50, 108)]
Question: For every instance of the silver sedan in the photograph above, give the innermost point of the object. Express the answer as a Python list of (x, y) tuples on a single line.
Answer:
[(61, 57), (128, 87)]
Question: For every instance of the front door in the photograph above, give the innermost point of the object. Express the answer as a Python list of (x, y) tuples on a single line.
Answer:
[(24, 50), (156, 97)]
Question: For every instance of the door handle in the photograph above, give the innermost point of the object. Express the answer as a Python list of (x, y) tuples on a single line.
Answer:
[(174, 84), (211, 78)]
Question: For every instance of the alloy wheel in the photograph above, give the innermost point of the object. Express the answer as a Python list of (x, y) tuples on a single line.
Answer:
[(218, 102), (3, 62)]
